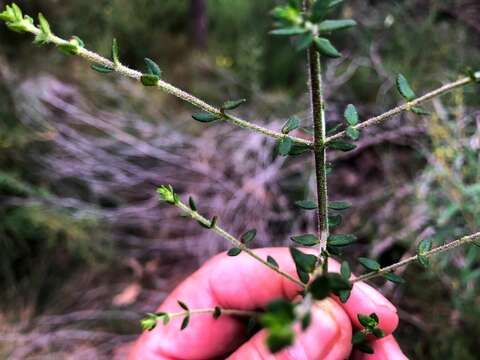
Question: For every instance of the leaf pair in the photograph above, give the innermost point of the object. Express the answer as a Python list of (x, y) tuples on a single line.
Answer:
[(207, 117), (408, 94), (153, 74)]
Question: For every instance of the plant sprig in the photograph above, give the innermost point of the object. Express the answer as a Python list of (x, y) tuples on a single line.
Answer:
[(151, 320), (168, 195), (14, 20)]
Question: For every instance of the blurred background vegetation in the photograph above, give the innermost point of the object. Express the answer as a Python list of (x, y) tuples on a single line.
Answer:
[(85, 248)]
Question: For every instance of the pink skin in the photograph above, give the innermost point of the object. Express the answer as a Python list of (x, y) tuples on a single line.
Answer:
[(243, 283)]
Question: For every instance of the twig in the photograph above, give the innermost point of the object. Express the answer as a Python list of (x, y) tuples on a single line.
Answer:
[(451, 245), (407, 106), (168, 88), (235, 242)]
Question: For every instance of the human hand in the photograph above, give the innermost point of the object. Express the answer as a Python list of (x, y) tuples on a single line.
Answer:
[(244, 284)]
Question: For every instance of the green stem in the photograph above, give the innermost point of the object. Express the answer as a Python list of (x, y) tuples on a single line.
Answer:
[(319, 124), (230, 312), (234, 241), (170, 89), (440, 249), (407, 106)]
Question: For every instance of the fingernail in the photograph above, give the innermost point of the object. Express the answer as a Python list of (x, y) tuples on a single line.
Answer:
[(375, 296)]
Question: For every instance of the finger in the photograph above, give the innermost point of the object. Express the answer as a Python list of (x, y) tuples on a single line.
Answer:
[(386, 348), (236, 283), (365, 300), (327, 338)]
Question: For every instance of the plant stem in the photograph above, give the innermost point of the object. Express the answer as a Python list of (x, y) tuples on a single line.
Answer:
[(172, 90), (320, 154), (407, 106), (440, 249), (230, 312), (234, 241)]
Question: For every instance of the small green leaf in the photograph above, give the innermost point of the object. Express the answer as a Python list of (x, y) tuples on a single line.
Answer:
[(289, 31), (341, 239), (8, 14), (284, 146), (325, 47), (306, 204), (183, 305), (369, 264), (352, 133), (272, 261), (233, 104), (334, 220), (339, 205), (378, 333), (165, 319), (320, 287), (17, 11), (321, 8), (304, 41), (206, 117), (149, 80), (358, 337), (149, 322), (341, 145), (234, 252), (306, 240), (303, 276), (364, 320), (423, 248), (423, 260), (217, 312), (333, 130), (292, 123), (68, 48), (192, 204), (338, 283), (299, 149), (365, 348), (306, 321), (185, 322), (404, 88), (213, 222), (333, 25), (248, 236), (167, 194), (44, 25), (344, 295), (153, 68), (351, 115), (115, 51), (394, 278), (101, 68), (420, 111), (345, 270), (303, 262)]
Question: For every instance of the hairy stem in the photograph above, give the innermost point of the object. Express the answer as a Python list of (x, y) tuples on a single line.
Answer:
[(172, 90), (320, 154), (234, 241), (438, 250), (230, 312), (407, 106)]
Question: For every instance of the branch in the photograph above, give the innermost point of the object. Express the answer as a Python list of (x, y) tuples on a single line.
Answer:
[(233, 240), (166, 87), (440, 249), (408, 106)]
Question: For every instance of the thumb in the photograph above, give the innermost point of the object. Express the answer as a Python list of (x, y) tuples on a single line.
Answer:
[(327, 338)]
